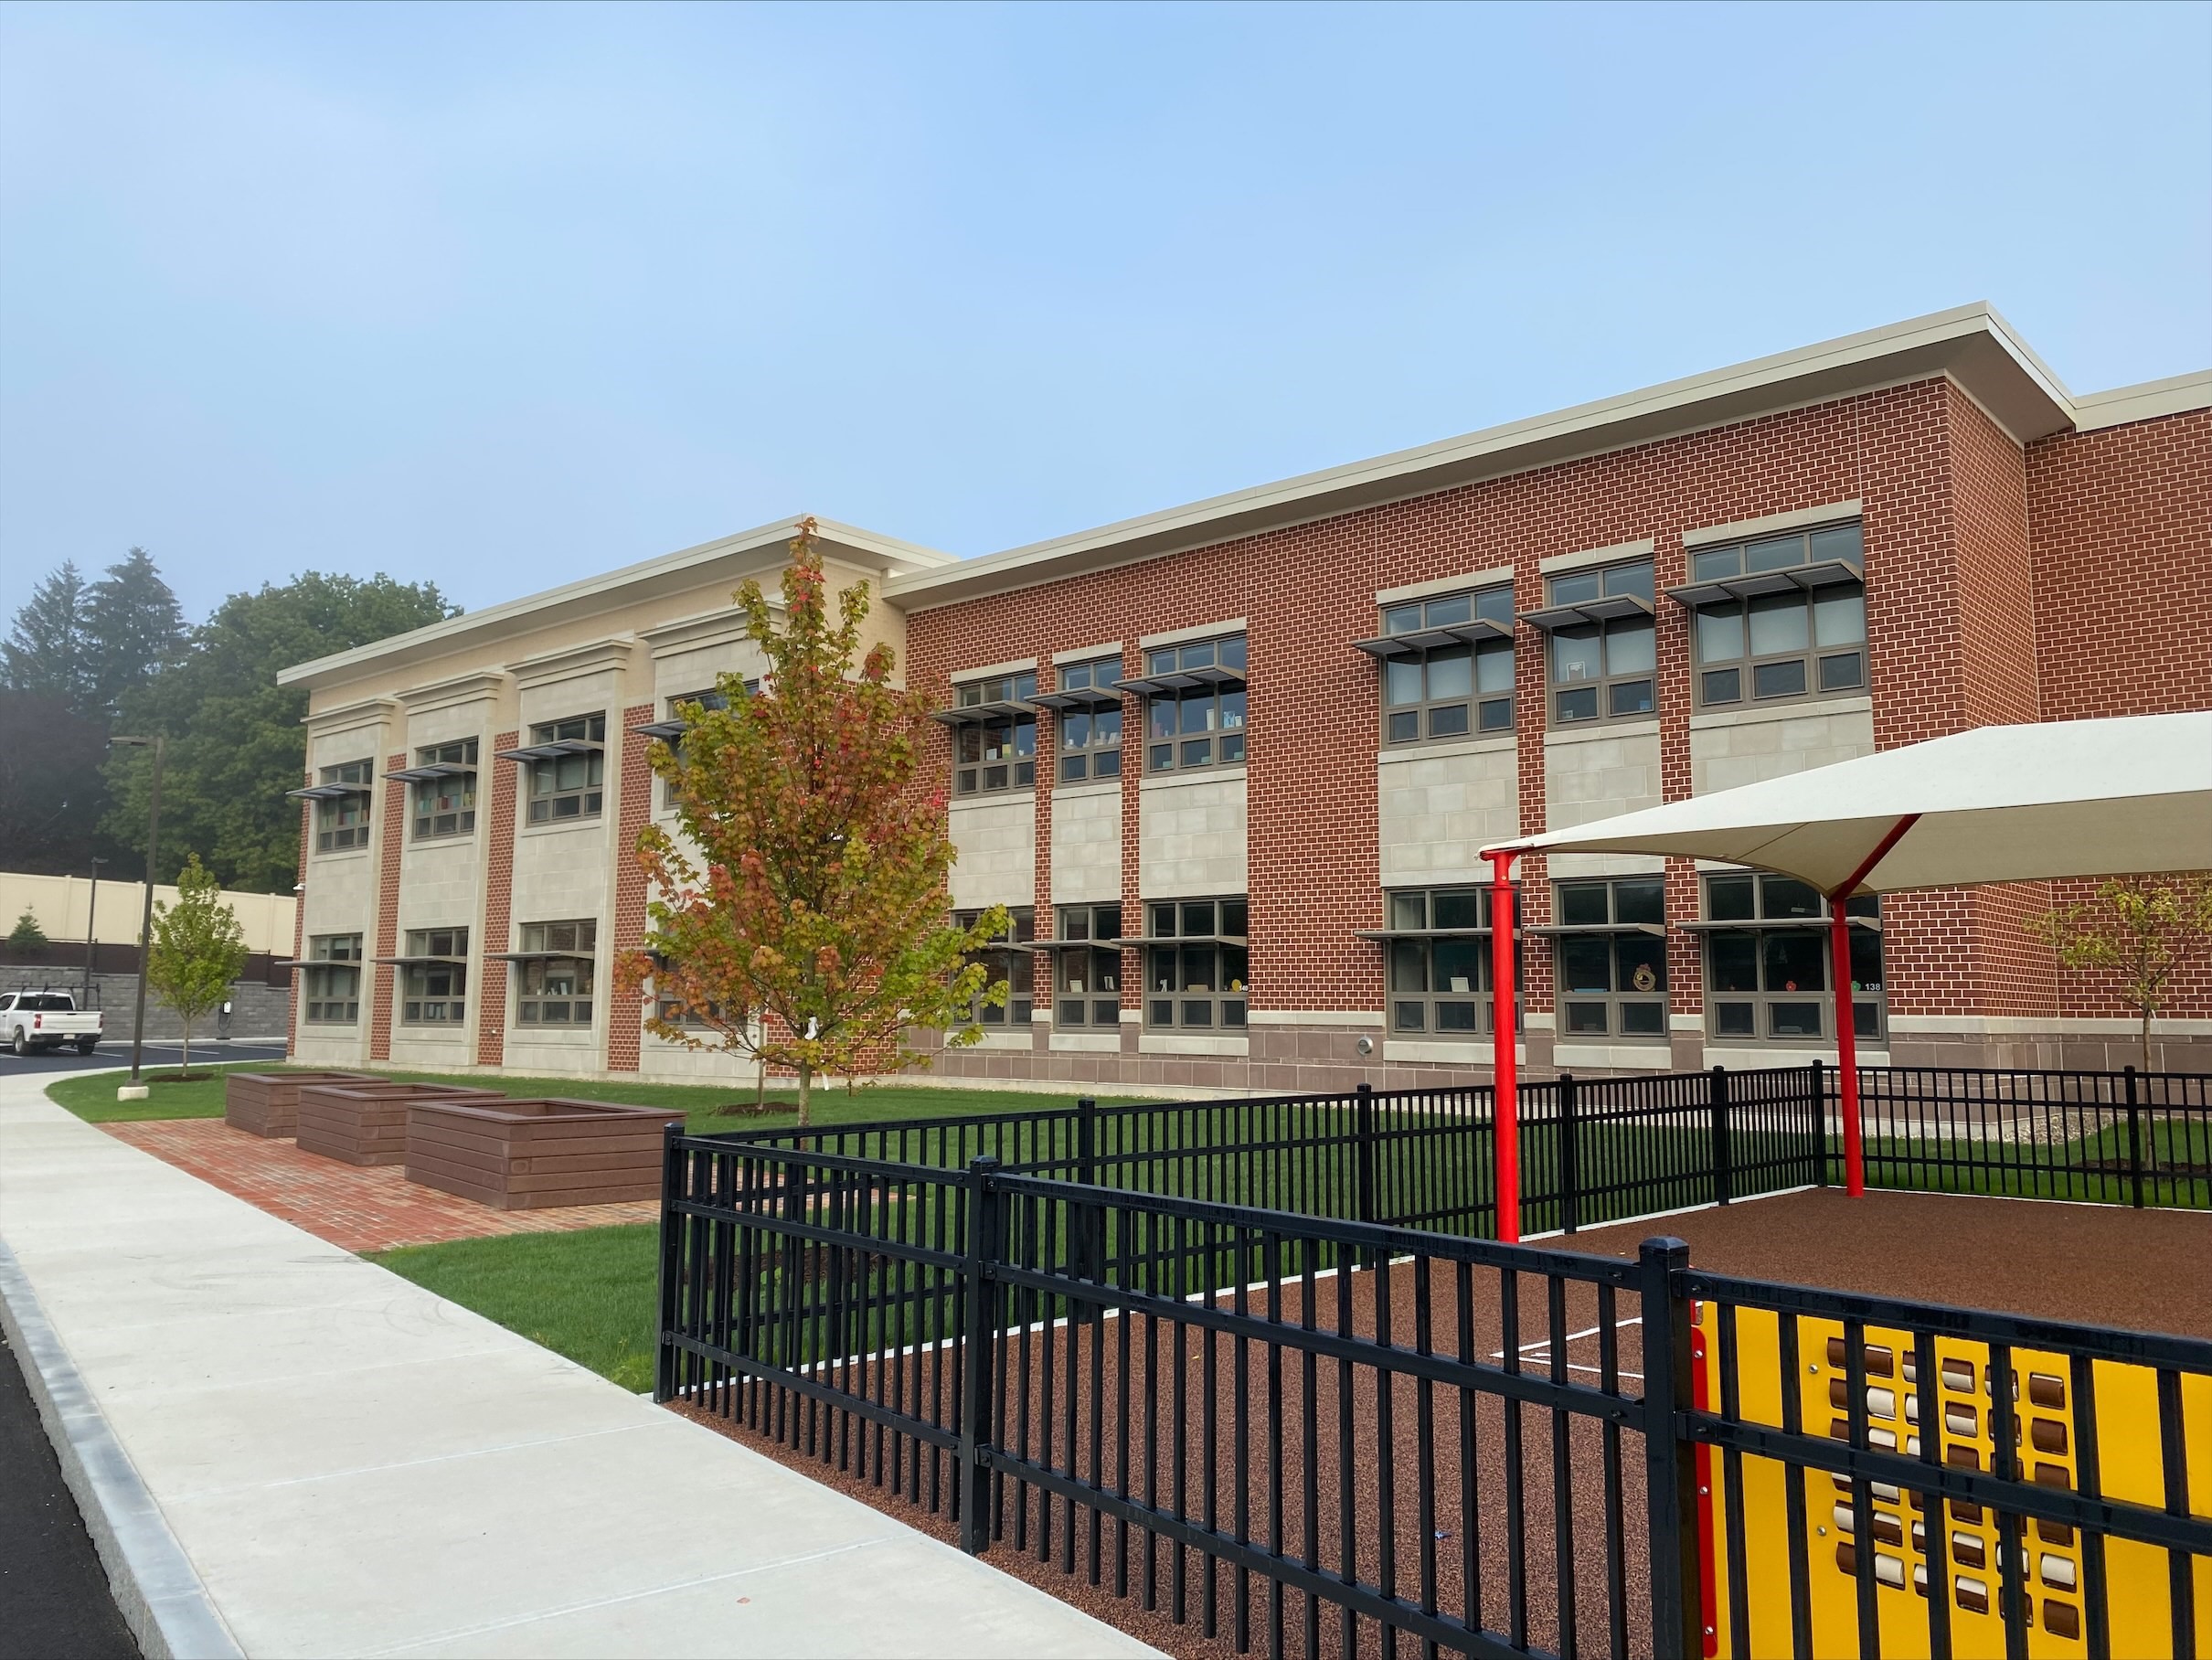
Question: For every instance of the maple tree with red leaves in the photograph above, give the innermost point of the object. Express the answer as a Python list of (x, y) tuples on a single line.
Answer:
[(802, 919)]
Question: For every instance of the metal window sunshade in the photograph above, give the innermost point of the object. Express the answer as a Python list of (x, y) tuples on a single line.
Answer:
[(329, 791), (1606, 609), (432, 771), (1474, 632), (1181, 680), (1004, 709), (1822, 573), (553, 751)]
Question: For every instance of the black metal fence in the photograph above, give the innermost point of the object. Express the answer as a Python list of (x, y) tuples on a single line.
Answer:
[(1310, 1433)]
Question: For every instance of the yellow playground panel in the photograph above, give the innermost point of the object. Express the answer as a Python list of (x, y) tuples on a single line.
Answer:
[(2139, 1596)]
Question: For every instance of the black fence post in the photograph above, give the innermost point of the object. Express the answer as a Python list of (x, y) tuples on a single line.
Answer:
[(1087, 1223), (1820, 1127), (978, 1362), (1724, 1151), (1670, 1466), (1570, 1159), (1364, 1198), (671, 1259), (2134, 1141)]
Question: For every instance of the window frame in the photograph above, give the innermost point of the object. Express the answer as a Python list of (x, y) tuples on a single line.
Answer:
[(1172, 942), (1410, 938), (423, 811), (1221, 682), (342, 823), (1007, 959), (1096, 1000), (1617, 583), (1824, 561), (417, 995), (1085, 761), (333, 976), (590, 794), (540, 948), (1001, 711), (1761, 931), (1408, 645), (1615, 932), (713, 698)]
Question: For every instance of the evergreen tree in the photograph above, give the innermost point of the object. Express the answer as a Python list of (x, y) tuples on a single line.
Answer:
[(235, 745), (49, 653), (133, 625)]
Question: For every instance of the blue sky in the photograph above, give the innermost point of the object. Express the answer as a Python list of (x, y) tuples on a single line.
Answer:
[(500, 296)]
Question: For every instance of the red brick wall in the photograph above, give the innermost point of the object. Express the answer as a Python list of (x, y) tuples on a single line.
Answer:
[(387, 914), (498, 898), (625, 1007)]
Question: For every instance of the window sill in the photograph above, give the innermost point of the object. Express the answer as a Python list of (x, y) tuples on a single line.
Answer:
[(1091, 1043), (1594, 731), (340, 852), (1747, 1055), (557, 828), (1654, 1057), (549, 1034), (1195, 775), (1459, 1051), (1089, 786), (1802, 708), (1192, 1043), (995, 798), (1439, 748), (1002, 1040)]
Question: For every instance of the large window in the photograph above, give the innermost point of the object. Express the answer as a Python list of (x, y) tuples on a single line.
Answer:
[(993, 734), (434, 977), (443, 780), (1604, 659), (1008, 958), (1087, 977), (1194, 709), (333, 980), (1779, 618), (1198, 964), (1766, 961), (553, 977), (1437, 946), (1447, 666), (567, 764), (342, 801), (1609, 953), (671, 731), (1089, 716)]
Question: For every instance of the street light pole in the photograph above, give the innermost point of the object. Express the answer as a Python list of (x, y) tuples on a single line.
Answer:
[(135, 1089), (91, 933)]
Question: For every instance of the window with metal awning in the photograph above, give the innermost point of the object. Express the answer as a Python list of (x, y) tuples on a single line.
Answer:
[(994, 722), (1438, 955), (341, 795), (567, 764), (1193, 704), (1779, 617), (1198, 964), (1447, 666), (1601, 625), (444, 784)]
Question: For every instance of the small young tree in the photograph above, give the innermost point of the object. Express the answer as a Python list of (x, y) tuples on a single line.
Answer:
[(27, 936), (2140, 932), (198, 949), (807, 924)]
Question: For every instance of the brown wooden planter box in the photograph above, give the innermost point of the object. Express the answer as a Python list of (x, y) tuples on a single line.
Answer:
[(365, 1124), (533, 1154), (267, 1103)]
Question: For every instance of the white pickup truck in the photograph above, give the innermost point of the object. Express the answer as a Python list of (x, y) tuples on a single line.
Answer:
[(31, 1021)]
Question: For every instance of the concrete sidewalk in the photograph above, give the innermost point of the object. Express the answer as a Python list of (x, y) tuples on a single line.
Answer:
[(347, 1464)]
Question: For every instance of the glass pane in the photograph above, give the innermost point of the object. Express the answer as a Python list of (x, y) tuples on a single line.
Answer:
[(1409, 965), (1071, 1011), (1844, 672), (1778, 624), (1710, 564), (1794, 962), (1075, 729), (1232, 710), (1494, 668), (1775, 554), (1586, 1019), (1719, 633), (1866, 1019), (1163, 717), (1198, 713), (1586, 963), (1402, 681), (1406, 726), (1232, 652), (1631, 698), (1643, 1019), (1785, 679), (1233, 917), (1632, 580), (1451, 672), (1199, 964), (1106, 726), (1162, 975), (1495, 605), (1232, 1011), (1639, 900), (1105, 1013), (1579, 705), (1406, 1016), (1732, 961), (1630, 646), (1574, 589), (1198, 918), (1448, 720), (995, 778), (1459, 964), (1865, 959), (1496, 715), (1576, 654), (1160, 1011), (1200, 655), (1459, 1017), (1232, 748), (1160, 757), (1409, 910), (1107, 763), (1793, 1020), (1642, 963), (1401, 619), (1582, 903), (1839, 615), (1163, 921), (1198, 752), (1734, 1020), (1839, 542), (1457, 608), (1457, 907), (1785, 897), (1197, 1011), (1160, 663), (1236, 969), (1076, 677), (1723, 686), (1073, 767)]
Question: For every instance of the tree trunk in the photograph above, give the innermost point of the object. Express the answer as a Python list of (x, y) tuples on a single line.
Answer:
[(807, 1078), (2146, 1040), (187, 1068), (760, 1093)]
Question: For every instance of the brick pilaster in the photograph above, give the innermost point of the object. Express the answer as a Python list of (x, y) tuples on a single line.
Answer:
[(388, 853), (626, 1003), (490, 992)]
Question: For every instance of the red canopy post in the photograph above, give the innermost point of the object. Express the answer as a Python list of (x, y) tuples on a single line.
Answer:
[(1846, 1046), (1506, 1121)]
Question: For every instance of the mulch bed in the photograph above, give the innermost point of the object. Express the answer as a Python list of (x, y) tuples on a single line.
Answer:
[(2097, 1264)]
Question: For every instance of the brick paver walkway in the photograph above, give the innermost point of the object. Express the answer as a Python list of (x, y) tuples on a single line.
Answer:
[(356, 1209)]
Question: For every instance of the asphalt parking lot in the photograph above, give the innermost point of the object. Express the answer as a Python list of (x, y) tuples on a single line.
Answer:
[(161, 1052)]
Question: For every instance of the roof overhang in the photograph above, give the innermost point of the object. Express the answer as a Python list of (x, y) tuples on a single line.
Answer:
[(1971, 344), (728, 558)]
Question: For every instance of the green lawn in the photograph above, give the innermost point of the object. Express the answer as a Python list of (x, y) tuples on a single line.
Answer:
[(91, 1096)]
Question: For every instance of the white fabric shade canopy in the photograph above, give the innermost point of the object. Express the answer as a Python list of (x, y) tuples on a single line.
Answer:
[(2075, 798)]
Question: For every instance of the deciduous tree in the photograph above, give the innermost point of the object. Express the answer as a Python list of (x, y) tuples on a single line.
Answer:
[(198, 949), (2139, 933), (802, 919)]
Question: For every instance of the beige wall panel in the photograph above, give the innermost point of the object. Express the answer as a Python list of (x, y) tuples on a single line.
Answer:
[(997, 841), (1599, 773), (1087, 845), (1192, 838), (1744, 751), (1438, 807)]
